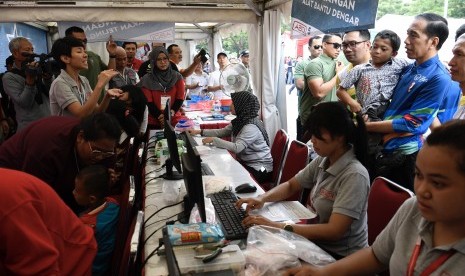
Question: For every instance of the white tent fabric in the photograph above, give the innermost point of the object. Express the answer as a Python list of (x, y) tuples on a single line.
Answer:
[(267, 52)]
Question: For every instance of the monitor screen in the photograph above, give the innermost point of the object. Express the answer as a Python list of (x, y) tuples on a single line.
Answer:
[(192, 173), (173, 160), (167, 112)]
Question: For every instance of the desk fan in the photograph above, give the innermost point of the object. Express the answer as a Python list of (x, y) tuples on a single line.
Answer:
[(234, 78)]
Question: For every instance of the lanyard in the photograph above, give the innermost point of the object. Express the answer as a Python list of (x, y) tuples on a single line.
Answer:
[(433, 266)]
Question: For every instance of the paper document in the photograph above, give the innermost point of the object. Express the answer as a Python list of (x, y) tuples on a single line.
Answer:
[(284, 210)]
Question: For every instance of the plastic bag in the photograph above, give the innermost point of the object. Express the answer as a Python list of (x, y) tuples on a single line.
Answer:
[(209, 212), (171, 191), (271, 249)]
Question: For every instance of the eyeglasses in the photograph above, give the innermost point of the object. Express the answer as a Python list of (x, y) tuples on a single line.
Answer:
[(335, 44), (102, 154), (316, 47), (351, 44)]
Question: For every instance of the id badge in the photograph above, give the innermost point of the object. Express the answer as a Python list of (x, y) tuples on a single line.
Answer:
[(164, 99)]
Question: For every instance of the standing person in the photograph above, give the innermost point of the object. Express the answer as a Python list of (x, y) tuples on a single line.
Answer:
[(338, 181), (218, 78), (39, 234), (26, 86), (70, 93), (175, 56), (161, 84), (55, 148), (126, 75), (356, 48), (245, 58), (427, 234), (132, 61), (197, 82), (316, 49), (457, 70), (320, 78), (249, 138), (94, 61), (101, 214), (415, 100), (7, 111)]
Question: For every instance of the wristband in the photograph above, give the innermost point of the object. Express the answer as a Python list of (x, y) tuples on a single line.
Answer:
[(201, 132)]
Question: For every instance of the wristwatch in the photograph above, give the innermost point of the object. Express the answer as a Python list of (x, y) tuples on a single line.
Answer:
[(288, 227)]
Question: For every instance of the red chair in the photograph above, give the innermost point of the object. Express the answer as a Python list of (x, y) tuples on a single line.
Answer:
[(278, 151), (383, 201), (296, 159)]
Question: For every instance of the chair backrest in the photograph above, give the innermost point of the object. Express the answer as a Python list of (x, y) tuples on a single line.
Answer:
[(383, 201), (296, 160), (278, 151)]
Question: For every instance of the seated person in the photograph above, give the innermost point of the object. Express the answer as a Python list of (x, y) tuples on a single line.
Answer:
[(338, 181), (101, 214), (39, 234), (136, 103), (161, 84), (71, 93), (426, 228), (249, 138)]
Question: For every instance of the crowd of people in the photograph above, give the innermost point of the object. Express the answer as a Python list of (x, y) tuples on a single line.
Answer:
[(364, 119)]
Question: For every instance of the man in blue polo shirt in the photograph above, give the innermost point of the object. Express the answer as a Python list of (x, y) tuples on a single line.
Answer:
[(415, 101)]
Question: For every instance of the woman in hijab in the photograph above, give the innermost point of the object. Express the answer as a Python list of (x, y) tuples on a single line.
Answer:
[(249, 138), (161, 84)]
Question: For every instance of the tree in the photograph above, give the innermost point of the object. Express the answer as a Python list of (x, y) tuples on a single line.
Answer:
[(236, 43), (456, 9)]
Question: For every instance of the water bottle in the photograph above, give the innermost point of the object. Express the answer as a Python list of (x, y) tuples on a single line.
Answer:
[(217, 107)]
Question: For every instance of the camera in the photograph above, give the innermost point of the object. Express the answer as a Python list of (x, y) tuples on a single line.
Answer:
[(46, 65), (203, 55)]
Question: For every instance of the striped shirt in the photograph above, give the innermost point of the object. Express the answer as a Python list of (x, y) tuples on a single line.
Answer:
[(374, 86)]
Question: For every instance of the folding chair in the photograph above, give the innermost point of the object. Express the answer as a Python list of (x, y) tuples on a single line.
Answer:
[(296, 159), (278, 151), (383, 201)]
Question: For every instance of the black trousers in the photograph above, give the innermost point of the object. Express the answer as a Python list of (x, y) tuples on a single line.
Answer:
[(397, 167), (260, 176)]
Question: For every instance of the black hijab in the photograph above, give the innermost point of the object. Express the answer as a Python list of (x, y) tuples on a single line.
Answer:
[(156, 79), (247, 106)]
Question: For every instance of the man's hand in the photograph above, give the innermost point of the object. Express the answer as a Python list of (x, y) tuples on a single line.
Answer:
[(161, 119), (194, 131), (355, 106), (305, 270), (339, 66), (111, 46)]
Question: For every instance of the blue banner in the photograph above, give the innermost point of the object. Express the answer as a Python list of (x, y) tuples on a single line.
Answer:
[(123, 31), (311, 17)]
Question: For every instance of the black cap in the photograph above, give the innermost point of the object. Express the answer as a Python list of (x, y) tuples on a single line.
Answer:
[(221, 54), (9, 60), (244, 53)]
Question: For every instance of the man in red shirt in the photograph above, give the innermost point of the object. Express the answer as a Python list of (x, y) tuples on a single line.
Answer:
[(131, 49), (39, 234)]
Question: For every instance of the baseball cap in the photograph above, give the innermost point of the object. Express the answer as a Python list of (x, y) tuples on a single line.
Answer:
[(221, 54), (244, 53)]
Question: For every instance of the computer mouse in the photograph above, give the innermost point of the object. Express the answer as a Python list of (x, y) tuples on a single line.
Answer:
[(245, 188)]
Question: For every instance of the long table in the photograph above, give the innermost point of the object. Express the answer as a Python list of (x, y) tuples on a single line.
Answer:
[(222, 164)]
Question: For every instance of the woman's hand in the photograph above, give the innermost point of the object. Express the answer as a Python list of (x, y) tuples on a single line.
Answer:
[(207, 140), (106, 75), (161, 119), (259, 220), (305, 270), (194, 131), (252, 203)]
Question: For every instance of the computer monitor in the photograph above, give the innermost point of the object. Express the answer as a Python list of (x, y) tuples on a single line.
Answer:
[(192, 172), (173, 159), (167, 112)]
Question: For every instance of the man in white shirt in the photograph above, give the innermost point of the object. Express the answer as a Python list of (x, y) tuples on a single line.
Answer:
[(217, 79)]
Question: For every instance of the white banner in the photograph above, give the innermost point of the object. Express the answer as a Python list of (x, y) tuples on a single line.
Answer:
[(123, 31)]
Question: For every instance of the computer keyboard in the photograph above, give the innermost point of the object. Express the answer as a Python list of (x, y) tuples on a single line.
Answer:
[(206, 169), (230, 217)]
